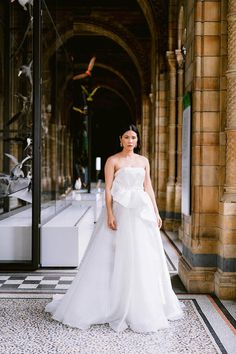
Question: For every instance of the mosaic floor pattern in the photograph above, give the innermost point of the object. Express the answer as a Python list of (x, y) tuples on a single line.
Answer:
[(27, 329)]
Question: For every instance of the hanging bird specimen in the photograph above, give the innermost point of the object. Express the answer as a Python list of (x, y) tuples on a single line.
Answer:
[(88, 72), (17, 171), (16, 181), (89, 95), (24, 2), (26, 70), (88, 98), (24, 110)]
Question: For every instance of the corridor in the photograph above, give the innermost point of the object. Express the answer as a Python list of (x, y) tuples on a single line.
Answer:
[(73, 75)]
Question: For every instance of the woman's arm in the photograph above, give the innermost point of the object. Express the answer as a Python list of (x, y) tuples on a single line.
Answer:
[(109, 176), (149, 189)]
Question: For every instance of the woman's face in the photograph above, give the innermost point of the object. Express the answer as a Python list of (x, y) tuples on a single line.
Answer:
[(129, 140)]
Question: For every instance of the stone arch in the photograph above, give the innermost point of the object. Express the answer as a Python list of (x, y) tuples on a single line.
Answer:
[(118, 34), (180, 38), (132, 106), (120, 76), (148, 11), (122, 97)]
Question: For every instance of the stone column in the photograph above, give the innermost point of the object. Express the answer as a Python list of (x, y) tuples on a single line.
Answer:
[(225, 277), (162, 157), (71, 158), (62, 159), (230, 180), (145, 125), (180, 87), (198, 263), (170, 195), (47, 160), (68, 168), (53, 159)]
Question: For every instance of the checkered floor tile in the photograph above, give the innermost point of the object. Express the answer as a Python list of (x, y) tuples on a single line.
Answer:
[(36, 282)]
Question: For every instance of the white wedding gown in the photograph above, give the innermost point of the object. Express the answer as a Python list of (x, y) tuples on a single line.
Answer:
[(123, 278)]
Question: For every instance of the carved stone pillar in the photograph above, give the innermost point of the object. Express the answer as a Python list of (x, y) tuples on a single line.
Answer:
[(170, 195), (180, 86), (230, 180), (67, 162), (62, 157), (71, 158), (162, 148), (47, 161), (53, 158), (145, 125), (225, 277)]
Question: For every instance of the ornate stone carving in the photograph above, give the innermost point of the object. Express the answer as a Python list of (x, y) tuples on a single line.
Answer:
[(232, 6), (179, 58), (230, 180), (231, 102), (230, 176), (231, 42), (231, 159), (171, 58)]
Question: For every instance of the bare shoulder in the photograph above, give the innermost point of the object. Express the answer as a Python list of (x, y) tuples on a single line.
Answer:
[(111, 160), (144, 160)]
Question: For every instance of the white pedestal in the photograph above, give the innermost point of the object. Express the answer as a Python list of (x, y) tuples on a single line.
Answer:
[(15, 237), (60, 237), (94, 200)]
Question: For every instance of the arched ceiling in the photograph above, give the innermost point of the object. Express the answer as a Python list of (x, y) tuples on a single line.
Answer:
[(120, 33)]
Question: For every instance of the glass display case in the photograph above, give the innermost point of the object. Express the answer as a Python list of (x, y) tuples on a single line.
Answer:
[(44, 128), (16, 130)]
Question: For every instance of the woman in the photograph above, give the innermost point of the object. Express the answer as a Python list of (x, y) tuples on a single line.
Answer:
[(123, 278)]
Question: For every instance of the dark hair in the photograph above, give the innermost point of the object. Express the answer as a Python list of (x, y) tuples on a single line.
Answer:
[(132, 127)]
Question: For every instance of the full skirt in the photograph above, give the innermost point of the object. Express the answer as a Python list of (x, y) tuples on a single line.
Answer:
[(122, 279)]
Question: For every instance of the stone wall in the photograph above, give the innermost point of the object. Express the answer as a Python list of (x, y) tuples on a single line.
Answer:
[(201, 60), (205, 256)]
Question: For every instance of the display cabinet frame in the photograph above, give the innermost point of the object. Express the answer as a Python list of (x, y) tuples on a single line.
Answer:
[(36, 134)]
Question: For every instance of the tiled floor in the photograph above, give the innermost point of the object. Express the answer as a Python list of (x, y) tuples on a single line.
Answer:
[(52, 282), (41, 281)]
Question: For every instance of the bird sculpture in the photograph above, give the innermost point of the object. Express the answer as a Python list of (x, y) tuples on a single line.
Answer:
[(26, 70), (24, 110), (15, 183), (4, 184), (17, 172), (89, 95), (78, 184), (23, 3), (88, 98), (29, 143), (80, 110), (88, 72), (26, 101)]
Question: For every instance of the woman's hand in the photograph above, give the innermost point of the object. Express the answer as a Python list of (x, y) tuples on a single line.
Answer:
[(111, 222), (159, 221)]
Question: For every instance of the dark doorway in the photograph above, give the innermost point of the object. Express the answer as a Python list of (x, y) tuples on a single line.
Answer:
[(109, 114)]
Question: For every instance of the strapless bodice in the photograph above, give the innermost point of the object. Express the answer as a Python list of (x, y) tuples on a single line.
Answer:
[(128, 190), (130, 177)]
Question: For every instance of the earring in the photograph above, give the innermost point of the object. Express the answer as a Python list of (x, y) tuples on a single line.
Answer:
[(121, 144)]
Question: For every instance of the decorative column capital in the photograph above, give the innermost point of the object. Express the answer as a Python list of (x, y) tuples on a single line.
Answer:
[(231, 18), (179, 58), (171, 59), (231, 9), (230, 131)]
